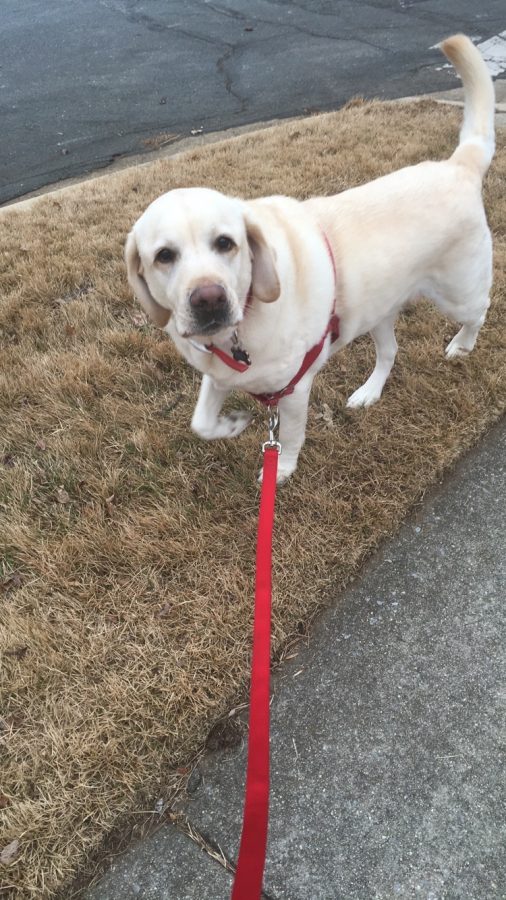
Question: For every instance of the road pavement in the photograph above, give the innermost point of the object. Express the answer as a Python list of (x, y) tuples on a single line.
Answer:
[(87, 83)]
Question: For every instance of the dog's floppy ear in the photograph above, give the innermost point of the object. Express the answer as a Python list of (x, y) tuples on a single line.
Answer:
[(158, 314), (264, 277)]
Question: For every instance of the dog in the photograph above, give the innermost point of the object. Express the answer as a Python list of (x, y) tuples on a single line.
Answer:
[(258, 294)]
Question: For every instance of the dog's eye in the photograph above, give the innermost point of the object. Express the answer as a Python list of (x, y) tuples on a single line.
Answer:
[(224, 243), (165, 255)]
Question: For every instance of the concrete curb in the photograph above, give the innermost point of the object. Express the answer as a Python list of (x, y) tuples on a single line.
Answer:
[(140, 160), (452, 98)]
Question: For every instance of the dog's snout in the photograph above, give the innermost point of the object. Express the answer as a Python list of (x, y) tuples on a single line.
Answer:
[(210, 308), (208, 298)]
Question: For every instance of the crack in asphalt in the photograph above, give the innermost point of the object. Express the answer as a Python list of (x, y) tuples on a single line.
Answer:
[(138, 18), (152, 24), (405, 9), (227, 78), (211, 23), (238, 16), (232, 49)]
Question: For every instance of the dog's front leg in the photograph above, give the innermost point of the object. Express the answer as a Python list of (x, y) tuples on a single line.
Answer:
[(383, 336), (206, 419), (292, 427)]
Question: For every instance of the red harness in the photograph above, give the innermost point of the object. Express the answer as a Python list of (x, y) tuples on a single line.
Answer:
[(307, 362)]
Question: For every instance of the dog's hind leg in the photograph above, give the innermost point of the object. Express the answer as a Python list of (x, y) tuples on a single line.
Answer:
[(383, 336), (462, 292), (465, 339)]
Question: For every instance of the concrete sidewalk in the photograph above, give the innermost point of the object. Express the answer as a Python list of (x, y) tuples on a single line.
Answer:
[(387, 730)]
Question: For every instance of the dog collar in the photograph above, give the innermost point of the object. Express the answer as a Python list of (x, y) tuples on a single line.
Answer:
[(239, 360)]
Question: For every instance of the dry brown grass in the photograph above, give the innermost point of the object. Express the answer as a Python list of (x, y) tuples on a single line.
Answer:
[(126, 542)]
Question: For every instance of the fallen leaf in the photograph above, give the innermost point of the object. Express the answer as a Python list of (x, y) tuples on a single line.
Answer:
[(164, 610), (18, 652), (8, 723), (10, 582), (326, 415), (233, 712), (224, 734), (9, 853)]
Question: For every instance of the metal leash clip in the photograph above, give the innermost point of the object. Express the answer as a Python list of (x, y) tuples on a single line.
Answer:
[(272, 425)]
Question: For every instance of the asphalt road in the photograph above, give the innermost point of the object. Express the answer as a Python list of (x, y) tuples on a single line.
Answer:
[(85, 82)]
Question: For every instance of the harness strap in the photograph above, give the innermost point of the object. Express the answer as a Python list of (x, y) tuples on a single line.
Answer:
[(329, 251), (307, 362)]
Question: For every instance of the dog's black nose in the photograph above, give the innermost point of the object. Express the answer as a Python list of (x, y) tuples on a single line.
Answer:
[(208, 298)]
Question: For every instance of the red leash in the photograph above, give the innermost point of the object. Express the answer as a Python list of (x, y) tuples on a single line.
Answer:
[(251, 862)]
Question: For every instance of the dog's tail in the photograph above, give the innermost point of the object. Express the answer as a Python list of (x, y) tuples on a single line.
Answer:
[(477, 140)]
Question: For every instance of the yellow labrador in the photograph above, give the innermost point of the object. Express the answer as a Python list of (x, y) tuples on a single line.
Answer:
[(252, 285)]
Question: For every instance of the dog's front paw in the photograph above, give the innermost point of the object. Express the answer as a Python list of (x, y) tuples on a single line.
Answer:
[(225, 427), (234, 423), (283, 473), (456, 349), (364, 396)]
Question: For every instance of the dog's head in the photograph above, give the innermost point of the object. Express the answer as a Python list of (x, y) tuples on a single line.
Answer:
[(196, 254)]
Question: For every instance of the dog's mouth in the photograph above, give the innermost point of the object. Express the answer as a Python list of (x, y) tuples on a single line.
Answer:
[(209, 329), (212, 326)]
